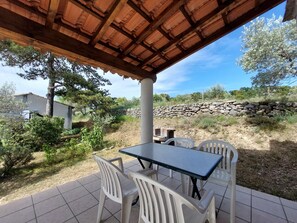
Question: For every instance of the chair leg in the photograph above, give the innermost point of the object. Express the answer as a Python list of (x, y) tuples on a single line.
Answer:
[(232, 203), (126, 209), (190, 187), (212, 211), (183, 183), (170, 173), (101, 205)]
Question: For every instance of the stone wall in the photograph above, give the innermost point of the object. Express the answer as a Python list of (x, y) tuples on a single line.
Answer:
[(232, 108)]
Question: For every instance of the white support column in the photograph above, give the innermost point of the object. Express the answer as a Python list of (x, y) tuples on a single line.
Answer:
[(147, 110)]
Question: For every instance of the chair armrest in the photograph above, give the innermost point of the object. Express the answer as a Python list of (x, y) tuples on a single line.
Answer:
[(205, 201), (120, 162)]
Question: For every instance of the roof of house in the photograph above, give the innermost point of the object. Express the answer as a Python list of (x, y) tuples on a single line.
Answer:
[(30, 93), (134, 38)]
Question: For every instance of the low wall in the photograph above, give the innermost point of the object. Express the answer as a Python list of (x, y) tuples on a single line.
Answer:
[(232, 108)]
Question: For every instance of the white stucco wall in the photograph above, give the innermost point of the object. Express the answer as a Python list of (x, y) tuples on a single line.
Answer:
[(38, 104)]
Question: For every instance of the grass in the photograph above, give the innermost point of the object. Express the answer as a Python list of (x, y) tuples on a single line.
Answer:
[(273, 171), (210, 122), (267, 153)]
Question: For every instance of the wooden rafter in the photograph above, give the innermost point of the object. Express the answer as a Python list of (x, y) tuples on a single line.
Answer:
[(219, 33), (169, 11), (115, 9), (189, 19), (52, 12), (112, 25), (189, 30), (147, 18), (25, 31)]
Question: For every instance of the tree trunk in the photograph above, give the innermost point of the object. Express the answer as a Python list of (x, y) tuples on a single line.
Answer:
[(49, 111)]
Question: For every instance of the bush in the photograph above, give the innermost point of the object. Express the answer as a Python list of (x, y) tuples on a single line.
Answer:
[(93, 137), (44, 131), (71, 150), (14, 147), (69, 132)]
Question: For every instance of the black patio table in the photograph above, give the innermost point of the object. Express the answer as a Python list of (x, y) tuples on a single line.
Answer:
[(194, 163)]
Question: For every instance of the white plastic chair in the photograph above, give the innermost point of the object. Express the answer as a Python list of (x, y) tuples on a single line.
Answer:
[(159, 204), (117, 186), (226, 171), (181, 142)]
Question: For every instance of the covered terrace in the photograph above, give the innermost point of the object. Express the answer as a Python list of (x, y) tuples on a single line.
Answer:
[(135, 39)]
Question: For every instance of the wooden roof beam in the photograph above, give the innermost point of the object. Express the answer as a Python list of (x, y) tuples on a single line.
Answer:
[(189, 30), (52, 12), (147, 18), (167, 13), (190, 21), (27, 32), (114, 11), (221, 32), (112, 25)]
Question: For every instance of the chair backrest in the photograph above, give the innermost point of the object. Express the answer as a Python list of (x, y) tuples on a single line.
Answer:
[(158, 203), (110, 179), (228, 152), (182, 142)]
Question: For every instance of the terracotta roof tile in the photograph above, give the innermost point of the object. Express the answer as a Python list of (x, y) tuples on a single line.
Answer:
[(136, 38)]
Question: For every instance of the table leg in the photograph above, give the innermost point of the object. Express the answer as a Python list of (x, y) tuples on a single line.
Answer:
[(141, 163), (195, 188)]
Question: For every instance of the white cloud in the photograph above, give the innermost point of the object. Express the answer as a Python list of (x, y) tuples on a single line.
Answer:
[(122, 87), (9, 75)]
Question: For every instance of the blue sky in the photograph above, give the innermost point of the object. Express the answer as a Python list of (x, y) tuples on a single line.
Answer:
[(215, 64)]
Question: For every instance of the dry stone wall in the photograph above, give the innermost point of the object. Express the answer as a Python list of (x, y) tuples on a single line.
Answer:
[(232, 108)]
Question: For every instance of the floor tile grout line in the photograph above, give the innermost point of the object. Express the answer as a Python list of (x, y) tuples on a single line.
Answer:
[(268, 199), (235, 216), (92, 192), (251, 205), (46, 199), (68, 207), (269, 213), (33, 209), (285, 212), (295, 208), (16, 210), (90, 181)]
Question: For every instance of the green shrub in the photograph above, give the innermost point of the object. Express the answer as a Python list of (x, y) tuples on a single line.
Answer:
[(93, 137), (71, 150), (51, 154), (45, 130), (14, 148), (225, 120), (206, 122), (74, 131)]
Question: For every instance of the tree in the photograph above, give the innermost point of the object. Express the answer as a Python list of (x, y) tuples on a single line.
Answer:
[(94, 103), (8, 105), (14, 146), (66, 78), (270, 49), (216, 92)]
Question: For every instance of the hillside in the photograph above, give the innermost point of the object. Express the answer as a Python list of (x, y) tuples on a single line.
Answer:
[(267, 148)]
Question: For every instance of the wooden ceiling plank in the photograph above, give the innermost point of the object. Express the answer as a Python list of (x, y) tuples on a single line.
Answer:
[(167, 13), (52, 12), (189, 30), (221, 32), (26, 32), (114, 11)]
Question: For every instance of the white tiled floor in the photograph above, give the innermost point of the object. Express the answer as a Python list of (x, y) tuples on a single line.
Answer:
[(77, 202)]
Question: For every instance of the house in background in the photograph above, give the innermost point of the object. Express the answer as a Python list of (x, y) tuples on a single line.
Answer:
[(37, 104)]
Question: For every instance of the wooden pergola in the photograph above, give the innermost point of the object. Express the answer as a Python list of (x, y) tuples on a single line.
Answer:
[(134, 38)]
